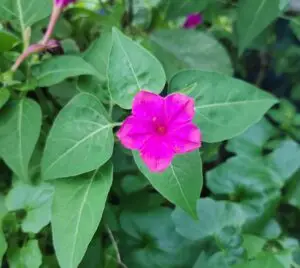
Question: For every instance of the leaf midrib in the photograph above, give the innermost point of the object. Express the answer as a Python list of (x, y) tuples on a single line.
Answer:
[(80, 215)]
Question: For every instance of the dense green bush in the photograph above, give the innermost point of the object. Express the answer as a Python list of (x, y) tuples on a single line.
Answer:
[(73, 194)]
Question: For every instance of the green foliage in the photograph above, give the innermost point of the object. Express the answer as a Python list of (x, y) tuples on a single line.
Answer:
[(72, 195)]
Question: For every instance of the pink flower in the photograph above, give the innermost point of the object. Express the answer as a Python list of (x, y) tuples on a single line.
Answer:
[(159, 128), (193, 20), (63, 3)]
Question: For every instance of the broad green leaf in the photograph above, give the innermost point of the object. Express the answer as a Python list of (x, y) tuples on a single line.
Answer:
[(29, 256), (80, 140), (98, 53), (285, 159), (253, 245), (251, 142), (35, 200), (55, 70), (4, 96), (252, 183), (225, 107), (8, 40), (131, 68), (295, 25), (133, 183), (20, 124), (283, 4), (178, 8), (253, 17), (77, 210), (181, 183), (292, 195), (213, 217), (152, 241), (181, 49), (24, 12), (267, 260)]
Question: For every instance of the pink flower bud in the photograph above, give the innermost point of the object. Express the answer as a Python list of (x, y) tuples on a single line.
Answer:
[(63, 3), (193, 20)]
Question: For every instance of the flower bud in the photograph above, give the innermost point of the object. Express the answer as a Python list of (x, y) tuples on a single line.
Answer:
[(63, 3)]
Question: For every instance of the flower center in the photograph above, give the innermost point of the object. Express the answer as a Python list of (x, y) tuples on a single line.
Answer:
[(161, 130)]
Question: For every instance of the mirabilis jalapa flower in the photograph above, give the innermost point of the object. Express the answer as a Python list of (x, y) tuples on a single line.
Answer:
[(193, 20), (63, 3), (159, 128)]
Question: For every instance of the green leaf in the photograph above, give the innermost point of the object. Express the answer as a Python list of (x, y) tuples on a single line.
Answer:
[(35, 200), (57, 69), (98, 53), (77, 210), (178, 8), (285, 159), (24, 12), (4, 96), (133, 183), (295, 25), (292, 195), (267, 260), (8, 40), (131, 68), (152, 241), (181, 183), (181, 49), (213, 217), (29, 256), (225, 107), (253, 245), (20, 124), (253, 17), (251, 142), (80, 140), (93, 257)]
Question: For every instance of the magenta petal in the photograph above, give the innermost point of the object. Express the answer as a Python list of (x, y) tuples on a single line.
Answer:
[(148, 105), (185, 139), (157, 154), (180, 108), (133, 133), (193, 20)]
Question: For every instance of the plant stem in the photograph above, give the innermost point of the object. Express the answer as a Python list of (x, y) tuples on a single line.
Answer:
[(115, 245)]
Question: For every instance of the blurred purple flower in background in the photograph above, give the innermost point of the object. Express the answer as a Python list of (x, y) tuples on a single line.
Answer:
[(193, 20), (63, 3)]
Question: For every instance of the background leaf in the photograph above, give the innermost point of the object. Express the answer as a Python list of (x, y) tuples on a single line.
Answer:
[(225, 107), (182, 49), (57, 69), (20, 123), (35, 200), (253, 17)]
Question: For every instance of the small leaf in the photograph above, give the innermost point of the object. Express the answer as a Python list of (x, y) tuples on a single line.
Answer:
[(253, 17), (3, 244), (57, 69), (131, 68), (152, 241), (225, 107), (181, 183), (20, 124), (77, 210), (8, 40), (4, 96), (29, 256), (80, 140), (253, 245), (24, 12), (179, 8), (182, 49), (267, 260), (213, 217), (35, 200)]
